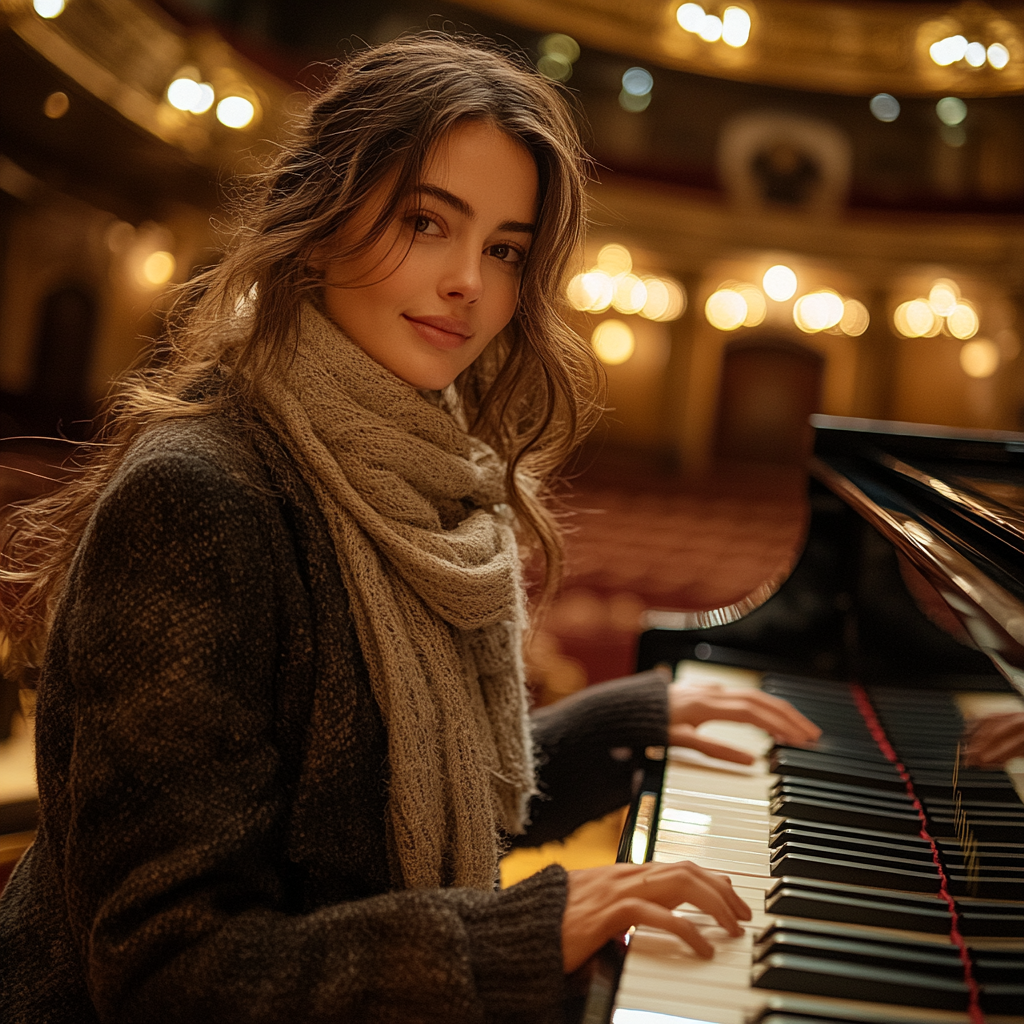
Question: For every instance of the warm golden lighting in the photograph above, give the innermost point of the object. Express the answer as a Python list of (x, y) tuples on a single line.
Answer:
[(726, 309), (779, 283), (914, 319), (630, 294), (962, 321), (666, 300), (56, 105), (614, 259), (591, 292), (979, 358), (998, 56), (855, 318), (735, 26), (757, 308), (158, 268), (948, 51), (235, 112), (943, 296), (48, 8), (690, 17), (710, 28), (613, 342), (817, 311)]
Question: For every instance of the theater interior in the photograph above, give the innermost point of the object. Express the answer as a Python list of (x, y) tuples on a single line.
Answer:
[(798, 208)]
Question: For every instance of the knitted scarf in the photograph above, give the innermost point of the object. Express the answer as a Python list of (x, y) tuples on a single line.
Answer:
[(428, 556)]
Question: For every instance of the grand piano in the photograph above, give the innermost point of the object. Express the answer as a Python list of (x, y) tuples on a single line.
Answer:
[(886, 878)]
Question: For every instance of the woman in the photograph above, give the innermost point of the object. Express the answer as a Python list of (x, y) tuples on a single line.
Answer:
[(281, 721)]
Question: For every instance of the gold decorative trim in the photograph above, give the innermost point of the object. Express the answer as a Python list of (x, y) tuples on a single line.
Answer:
[(818, 45)]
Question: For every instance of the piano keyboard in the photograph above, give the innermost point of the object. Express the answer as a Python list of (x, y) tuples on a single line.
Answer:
[(853, 952)]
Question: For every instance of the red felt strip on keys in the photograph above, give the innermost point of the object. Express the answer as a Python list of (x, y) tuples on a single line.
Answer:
[(867, 711)]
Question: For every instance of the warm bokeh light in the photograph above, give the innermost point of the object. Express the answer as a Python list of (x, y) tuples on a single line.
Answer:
[(561, 44), (613, 342), (951, 110), (885, 107), (779, 282), (666, 300), (554, 66), (710, 28), (690, 17), (48, 8), (614, 259), (943, 296), (855, 318), (630, 294), (726, 309), (975, 54), (735, 26), (962, 321), (998, 56), (182, 93), (757, 308), (158, 268), (235, 111), (914, 319), (591, 292), (948, 51), (979, 358), (56, 105), (205, 99), (817, 311)]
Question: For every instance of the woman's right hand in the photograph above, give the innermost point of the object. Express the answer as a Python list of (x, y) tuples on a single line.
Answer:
[(606, 901)]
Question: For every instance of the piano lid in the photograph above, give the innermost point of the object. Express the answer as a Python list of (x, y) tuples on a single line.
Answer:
[(951, 502)]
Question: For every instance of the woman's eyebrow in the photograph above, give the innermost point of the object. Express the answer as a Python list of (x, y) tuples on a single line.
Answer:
[(461, 206)]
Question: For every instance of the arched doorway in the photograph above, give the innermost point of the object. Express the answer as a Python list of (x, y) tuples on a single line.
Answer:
[(769, 388)]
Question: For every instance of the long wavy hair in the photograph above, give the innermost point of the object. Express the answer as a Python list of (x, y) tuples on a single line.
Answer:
[(532, 395)]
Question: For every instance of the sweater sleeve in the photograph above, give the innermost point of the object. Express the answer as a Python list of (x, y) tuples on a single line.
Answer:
[(589, 746), (165, 806)]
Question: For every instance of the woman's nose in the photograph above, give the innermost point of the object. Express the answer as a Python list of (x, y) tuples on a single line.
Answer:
[(462, 278)]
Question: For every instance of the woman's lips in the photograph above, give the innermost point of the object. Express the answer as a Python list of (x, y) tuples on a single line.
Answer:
[(444, 332)]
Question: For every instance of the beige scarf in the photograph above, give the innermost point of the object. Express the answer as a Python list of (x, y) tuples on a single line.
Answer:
[(428, 556)]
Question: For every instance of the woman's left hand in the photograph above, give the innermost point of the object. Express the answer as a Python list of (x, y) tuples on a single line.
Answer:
[(689, 705)]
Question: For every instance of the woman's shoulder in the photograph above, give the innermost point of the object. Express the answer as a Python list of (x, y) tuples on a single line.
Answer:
[(190, 470)]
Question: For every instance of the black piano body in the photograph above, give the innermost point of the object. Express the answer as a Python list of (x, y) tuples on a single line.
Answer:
[(911, 579)]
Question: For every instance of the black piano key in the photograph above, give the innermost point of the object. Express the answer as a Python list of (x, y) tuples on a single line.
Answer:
[(845, 832), (832, 792), (801, 865), (918, 853), (993, 831), (942, 961), (859, 981), (844, 814), (1002, 997), (999, 966), (983, 919), (794, 762), (881, 855), (839, 907)]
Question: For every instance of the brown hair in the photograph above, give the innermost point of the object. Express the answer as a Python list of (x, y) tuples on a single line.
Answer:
[(531, 395)]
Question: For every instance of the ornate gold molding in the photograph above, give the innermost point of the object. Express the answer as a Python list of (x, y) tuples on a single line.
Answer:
[(818, 45)]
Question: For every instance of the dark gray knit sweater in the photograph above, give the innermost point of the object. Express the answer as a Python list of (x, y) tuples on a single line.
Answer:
[(204, 853)]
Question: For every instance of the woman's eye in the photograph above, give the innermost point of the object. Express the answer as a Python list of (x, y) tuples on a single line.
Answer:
[(423, 225), (507, 253)]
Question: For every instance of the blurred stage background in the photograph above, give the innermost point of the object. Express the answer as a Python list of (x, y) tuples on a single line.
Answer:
[(799, 207)]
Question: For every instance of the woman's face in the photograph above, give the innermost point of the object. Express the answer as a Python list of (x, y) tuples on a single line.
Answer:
[(426, 299)]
